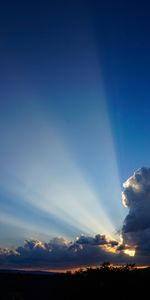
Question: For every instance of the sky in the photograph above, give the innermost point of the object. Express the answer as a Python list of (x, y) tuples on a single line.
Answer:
[(74, 132)]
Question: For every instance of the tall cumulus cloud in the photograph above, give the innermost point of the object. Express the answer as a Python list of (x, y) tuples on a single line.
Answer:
[(136, 227)]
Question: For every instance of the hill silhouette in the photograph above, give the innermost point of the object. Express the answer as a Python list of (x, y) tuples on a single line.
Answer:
[(100, 283)]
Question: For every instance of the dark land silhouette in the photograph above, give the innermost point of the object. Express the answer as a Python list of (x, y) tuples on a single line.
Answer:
[(104, 282)]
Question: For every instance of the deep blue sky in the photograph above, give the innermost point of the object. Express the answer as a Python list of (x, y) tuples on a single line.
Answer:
[(83, 68)]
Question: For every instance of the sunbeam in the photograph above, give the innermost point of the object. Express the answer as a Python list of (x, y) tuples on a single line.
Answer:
[(41, 172)]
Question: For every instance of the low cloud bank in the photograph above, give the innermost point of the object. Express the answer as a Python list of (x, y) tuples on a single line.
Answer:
[(61, 254)]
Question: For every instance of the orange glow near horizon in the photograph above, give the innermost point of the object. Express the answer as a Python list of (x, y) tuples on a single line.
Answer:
[(72, 270)]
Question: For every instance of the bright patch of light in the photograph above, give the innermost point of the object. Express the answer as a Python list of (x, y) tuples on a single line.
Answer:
[(130, 252), (108, 248), (124, 200)]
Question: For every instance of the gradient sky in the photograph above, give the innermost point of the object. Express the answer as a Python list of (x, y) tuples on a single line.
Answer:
[(74, 115)]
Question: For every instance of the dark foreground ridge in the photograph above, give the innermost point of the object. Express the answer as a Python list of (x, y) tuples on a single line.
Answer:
[(101, 283)]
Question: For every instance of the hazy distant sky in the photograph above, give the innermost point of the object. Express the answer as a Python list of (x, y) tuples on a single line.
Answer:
[(74, 115)]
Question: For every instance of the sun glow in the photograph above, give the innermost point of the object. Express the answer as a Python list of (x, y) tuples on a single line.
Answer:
[(130, 252), (108, 248)]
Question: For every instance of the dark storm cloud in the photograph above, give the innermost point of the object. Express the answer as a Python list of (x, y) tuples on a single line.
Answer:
[(97, 240), (136, 227), (59, 253)]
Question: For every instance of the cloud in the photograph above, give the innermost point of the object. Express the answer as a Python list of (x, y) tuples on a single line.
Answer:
[(136, 227), (84, 250), (98, 239), (88, 240), (59, 253)]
